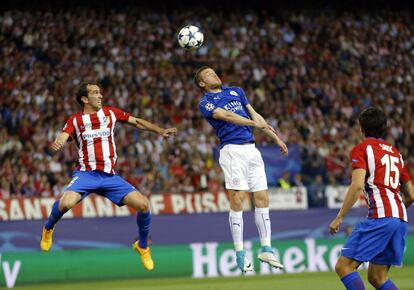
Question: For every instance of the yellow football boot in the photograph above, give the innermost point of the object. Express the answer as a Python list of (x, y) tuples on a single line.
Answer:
[(145, 256), (46, 241)]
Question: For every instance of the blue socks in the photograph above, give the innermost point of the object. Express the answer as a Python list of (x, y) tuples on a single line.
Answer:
[(388, 285), (143, 221), (353, 281), (54, 216), (264, 249)]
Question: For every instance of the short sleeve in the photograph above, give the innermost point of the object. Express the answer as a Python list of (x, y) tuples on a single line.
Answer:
[(69, 127), (243, 97), (207, 108), (120, 115), (358, 158)]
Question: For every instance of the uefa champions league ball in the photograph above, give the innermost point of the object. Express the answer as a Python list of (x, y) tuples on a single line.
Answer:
[(190, 37)]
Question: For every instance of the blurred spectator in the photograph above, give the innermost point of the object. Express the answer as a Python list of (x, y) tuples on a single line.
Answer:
[(5, 187), (297, 181), (316, 193), (309, 74), (284, 181)]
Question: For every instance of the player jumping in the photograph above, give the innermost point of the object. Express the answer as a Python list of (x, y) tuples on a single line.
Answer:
[(228, 111), (93, 131)]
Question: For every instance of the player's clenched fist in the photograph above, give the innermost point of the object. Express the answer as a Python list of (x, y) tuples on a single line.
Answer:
[(334, 226)]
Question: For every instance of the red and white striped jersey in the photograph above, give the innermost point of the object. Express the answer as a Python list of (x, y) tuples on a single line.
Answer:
[(94, 136), (385, 170)]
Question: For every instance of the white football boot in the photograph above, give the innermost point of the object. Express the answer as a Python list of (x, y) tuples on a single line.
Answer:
[(268, 256)]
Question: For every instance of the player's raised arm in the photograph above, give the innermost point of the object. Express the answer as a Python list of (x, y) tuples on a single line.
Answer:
[(59, 142), (407, 189), (267, 129), (148, 126), (354, 190)]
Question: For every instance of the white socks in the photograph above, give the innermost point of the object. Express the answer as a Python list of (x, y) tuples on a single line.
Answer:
[(236, 226), (261, 217), (262, 220)]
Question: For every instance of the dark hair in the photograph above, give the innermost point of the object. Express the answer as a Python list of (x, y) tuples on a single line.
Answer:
[(197, 78), (82, 92), (373, 122)]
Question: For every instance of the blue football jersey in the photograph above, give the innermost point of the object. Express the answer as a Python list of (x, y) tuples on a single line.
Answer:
[(230, 99)]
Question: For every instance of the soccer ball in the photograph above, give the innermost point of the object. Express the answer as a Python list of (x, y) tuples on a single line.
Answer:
[(190, 37)]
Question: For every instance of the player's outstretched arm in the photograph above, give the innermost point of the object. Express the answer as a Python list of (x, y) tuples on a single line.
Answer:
[(354, 190), (148, 126), (267, 129), (407, 189), (59, 142)]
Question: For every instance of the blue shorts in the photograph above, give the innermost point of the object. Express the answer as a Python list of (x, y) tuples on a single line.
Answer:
[(113, 187), (379, 241)]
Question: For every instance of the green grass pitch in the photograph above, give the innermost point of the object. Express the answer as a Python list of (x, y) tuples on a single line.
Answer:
[(402, 277)]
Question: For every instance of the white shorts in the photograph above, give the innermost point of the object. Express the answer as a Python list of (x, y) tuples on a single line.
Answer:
[(243, 167)]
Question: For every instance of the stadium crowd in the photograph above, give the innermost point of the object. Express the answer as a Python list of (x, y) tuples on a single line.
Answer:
[(309, 74)]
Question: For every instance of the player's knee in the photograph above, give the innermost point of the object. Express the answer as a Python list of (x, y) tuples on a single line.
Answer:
[(342, 268), (236, 205), (262, 202), (339, 268), (261, 199), (236, 202), (143, 205), (65, 205), (68, 200)]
